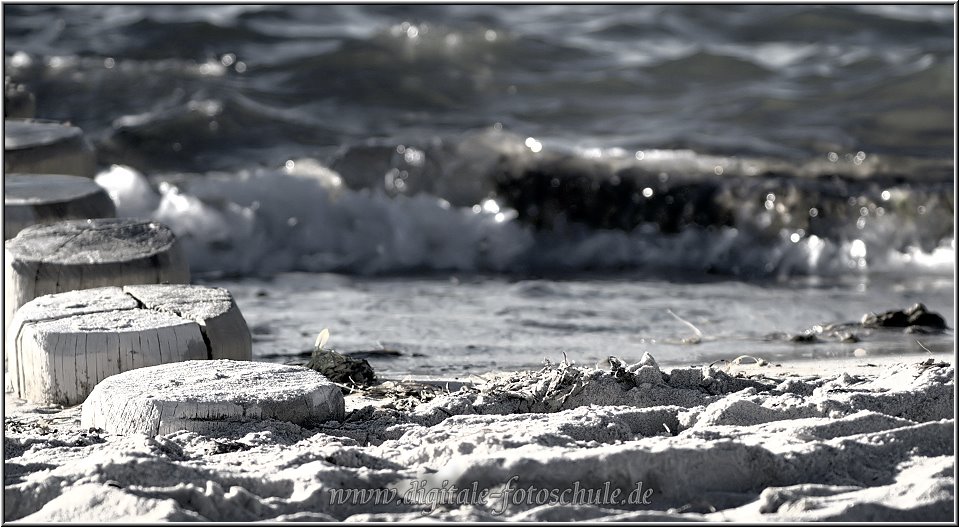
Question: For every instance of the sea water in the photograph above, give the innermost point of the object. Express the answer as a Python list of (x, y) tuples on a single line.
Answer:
[(470, 188)]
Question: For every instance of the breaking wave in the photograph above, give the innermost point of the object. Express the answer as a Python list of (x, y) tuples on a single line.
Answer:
[(490, 201)]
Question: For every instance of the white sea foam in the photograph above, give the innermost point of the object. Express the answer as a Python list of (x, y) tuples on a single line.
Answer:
[(265, 221), (269, 221)]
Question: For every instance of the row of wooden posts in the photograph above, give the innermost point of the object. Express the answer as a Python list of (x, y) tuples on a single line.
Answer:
[(89, 295), (99, 310)]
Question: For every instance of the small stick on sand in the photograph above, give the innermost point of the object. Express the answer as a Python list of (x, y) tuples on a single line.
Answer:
[(697, 338), (760, 362), (923, 347)]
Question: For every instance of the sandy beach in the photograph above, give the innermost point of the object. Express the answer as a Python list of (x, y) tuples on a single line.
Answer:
[(854, 440)]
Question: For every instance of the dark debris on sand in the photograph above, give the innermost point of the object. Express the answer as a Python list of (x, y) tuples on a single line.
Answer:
[(915, 319)]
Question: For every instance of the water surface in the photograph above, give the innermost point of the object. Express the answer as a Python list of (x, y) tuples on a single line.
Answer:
[(482, 187)]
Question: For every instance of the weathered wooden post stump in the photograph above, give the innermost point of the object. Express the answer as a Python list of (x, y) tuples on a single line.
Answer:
[(34, 199), (60, 346), (82, 254), (224, 329), (210, 397), (46, 147)]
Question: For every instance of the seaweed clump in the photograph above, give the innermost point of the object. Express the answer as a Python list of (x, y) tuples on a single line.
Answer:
[(912, 318), (345, 371)]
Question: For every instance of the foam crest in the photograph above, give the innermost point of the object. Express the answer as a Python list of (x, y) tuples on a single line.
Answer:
[(270, 221), (303, 219)]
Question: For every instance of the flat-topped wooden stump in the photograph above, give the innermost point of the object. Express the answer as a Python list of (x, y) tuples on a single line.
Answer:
[(32, 199), (210, 397), (46, 147), (82, 254), (60, 346)]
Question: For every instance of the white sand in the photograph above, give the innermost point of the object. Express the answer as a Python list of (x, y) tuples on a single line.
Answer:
[(862, 441)]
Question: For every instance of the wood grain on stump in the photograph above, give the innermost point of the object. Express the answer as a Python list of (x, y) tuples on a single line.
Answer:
[(213, 308), (210, 397), (60, 346), (82, 254), (31, 199), (46, 147)]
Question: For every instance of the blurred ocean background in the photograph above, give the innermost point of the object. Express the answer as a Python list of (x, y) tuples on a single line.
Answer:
[(483, 187)]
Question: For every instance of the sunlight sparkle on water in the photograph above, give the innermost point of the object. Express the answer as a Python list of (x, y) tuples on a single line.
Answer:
[(212, 69), (490, 205), (593, 153), (414, 157), (533, 144), (20, 60), (408, 30), (857, 249)]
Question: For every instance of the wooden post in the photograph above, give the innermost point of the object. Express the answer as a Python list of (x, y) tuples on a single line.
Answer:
[(33, 199), (46, 147), (60, 361), (60, 346), (213, 308), (210, 397), (81, 254)]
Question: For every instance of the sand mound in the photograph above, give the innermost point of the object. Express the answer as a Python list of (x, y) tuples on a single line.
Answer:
[(628, 443)]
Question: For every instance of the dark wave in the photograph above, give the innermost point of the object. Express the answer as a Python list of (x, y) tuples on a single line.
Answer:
[(828, 205), (785, 81)]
